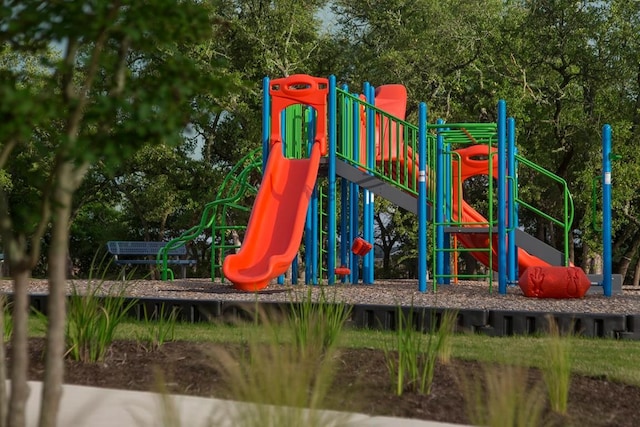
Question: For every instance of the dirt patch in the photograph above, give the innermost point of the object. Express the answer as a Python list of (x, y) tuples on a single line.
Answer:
[(362, 383)]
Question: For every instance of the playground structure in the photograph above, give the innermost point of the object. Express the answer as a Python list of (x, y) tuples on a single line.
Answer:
[(364, 146)]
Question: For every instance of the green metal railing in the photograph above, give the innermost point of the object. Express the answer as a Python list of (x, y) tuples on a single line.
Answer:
[(298, 124), (456, 136), (396, 142), (323, 219), (566, 217), (464, 134)]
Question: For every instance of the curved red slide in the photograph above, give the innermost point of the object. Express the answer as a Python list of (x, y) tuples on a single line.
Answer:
[(276, 223), (481, 240), (475, 161), (392, 99)]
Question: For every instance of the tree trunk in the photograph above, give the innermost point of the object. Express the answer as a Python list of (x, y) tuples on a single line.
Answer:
[(55, 347), (586, 259), (3, 367), (572, 249), (625, 262), (19, 348), (163, 226), (596, 264), (636, 274), (236, 241), (386, 259)]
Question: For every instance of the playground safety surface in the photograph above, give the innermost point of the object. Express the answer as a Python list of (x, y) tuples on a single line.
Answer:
[(480, 308)]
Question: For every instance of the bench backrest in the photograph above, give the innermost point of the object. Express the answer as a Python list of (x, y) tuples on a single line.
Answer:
[(141, 248)]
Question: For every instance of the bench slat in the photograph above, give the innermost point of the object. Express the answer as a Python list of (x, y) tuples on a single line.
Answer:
[(145, 253), (134, 248), (153, 261)]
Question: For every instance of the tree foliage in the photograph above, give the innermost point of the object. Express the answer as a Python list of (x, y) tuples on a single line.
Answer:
[(140, 108), (123, 79)]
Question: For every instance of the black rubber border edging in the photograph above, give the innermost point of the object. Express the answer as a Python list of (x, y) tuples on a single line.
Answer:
[(384, 317)]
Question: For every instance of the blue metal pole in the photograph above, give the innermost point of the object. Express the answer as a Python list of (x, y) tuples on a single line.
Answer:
[(606, 209), (309, 230), (314, 236), (512, 252), (371, 234), (354, 192), (294, 271), (331, 196), (367, 221), (423, 251), (266, 121), (439, 196), (266, 129), (502, 169), (285, 142), (315, 232)]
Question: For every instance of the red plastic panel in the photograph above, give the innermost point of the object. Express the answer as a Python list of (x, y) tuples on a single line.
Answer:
[(343, 271), (554, 282), (360, 246), (300, 89)]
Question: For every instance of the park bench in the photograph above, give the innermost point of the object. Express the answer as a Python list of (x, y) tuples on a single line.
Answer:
[(128, 253)]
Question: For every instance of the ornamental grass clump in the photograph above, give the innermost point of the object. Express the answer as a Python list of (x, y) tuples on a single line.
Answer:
[(94, 315), (319, 322), (159, 326), (411, 357), (7, 319), (557, 368), (503, 396), (287, 382)]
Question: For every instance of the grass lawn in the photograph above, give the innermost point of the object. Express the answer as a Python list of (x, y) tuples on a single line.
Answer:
[(615, 360)]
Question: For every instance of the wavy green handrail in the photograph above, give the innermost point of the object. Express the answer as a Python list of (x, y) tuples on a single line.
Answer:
[(237, 183), (568, 206)]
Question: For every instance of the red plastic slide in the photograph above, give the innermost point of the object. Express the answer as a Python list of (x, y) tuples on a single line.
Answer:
[(481, 240), (474, 160), (277, 220)]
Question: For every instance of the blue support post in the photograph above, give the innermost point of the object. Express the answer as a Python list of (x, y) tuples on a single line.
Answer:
[(314, 236), (266, 122), (283, 137), (512, 252), (367, 221), (423, 251), (502, 169), (439, 201), (313, 251), (354, 192), (309, 230), (606, 210), (370, 257), (294, 271), (331, 175)]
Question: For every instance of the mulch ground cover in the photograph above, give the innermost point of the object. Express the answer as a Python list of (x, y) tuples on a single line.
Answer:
[(362, 383)]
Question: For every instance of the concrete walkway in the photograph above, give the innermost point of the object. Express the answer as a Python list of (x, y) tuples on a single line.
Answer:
[(98, 407)]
